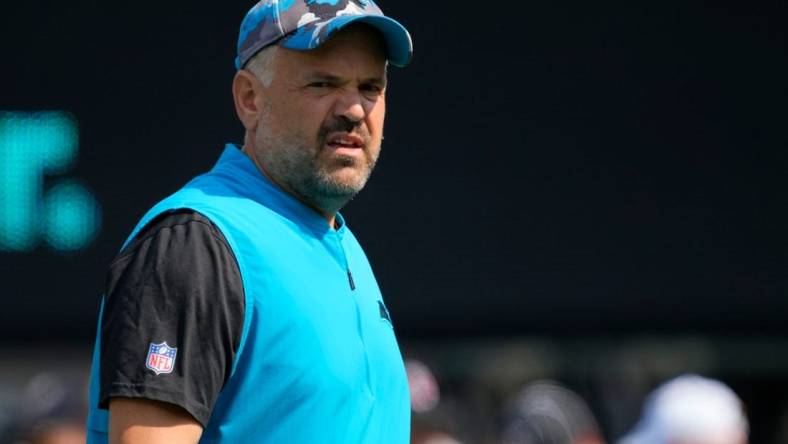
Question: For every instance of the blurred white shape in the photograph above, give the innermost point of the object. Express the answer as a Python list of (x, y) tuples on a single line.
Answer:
[(44, 393), (691, 409)]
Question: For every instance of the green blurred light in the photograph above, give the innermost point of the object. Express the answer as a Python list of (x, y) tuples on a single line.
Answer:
[(31, 146), (72, 217)]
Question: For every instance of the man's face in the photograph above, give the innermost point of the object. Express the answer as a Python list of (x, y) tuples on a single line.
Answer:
[(321, 128)]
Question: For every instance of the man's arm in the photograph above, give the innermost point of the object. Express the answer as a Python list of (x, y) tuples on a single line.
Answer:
[(176, 283), (140, 421)]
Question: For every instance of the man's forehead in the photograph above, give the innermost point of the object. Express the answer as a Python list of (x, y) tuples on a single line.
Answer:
[(337, 70), (379, 78)]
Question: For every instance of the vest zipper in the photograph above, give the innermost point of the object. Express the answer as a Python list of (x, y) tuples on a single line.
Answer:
[(347, 265), (369, 384), (350, 279)]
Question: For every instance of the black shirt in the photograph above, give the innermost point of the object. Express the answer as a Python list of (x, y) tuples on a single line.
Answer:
[(177, 282)]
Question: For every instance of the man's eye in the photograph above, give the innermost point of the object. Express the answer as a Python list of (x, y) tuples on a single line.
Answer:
[(370, 90), (319, 85)]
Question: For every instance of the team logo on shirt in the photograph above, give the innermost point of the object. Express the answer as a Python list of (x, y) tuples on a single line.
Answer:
[(161, 358), (384, 313)]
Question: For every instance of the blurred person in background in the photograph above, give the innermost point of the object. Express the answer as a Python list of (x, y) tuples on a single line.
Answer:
[(546, 412), (691, 409), (433, 419), (64, 432), (51, 410)]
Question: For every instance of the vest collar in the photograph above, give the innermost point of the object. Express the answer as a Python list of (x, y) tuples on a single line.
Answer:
[(247, 180)]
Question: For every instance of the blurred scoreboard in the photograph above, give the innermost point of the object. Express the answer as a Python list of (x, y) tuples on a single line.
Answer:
[(39, 201)]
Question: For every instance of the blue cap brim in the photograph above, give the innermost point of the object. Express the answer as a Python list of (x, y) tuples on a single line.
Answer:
[(399, 46)]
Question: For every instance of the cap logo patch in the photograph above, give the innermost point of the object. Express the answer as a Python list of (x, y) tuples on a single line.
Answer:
[(161, 358)]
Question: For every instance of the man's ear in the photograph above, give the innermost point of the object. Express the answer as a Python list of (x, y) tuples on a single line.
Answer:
[(247, 95)]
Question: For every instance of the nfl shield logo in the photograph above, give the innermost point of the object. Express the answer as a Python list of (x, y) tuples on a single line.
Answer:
[(161, 358)]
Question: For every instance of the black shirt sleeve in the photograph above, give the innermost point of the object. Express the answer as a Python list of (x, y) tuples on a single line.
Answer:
[(177, 282)]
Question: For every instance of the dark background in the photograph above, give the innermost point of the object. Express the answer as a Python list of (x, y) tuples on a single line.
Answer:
[(567, 169)]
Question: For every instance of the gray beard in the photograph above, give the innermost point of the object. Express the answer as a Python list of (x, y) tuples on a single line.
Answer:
[(296, 168), (324, 192)]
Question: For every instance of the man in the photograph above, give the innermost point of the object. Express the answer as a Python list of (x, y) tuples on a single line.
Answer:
[(242, 309), (546, 412)]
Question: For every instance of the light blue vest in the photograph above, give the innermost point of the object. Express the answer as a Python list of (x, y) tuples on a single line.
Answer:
[(318, 360)]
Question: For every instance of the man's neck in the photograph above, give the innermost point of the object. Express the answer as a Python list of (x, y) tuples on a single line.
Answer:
[(330, 217)]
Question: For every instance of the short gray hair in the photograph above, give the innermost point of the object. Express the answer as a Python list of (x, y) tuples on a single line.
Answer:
[(262, 65)]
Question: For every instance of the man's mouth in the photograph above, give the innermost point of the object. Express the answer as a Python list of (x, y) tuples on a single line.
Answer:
[(345, 141)]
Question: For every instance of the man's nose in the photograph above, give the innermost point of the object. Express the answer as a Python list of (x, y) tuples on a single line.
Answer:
[(351, 106)]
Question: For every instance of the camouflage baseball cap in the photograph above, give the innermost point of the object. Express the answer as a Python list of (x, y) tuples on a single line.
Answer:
[(306, 24)]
